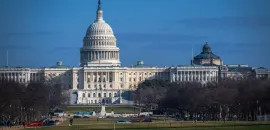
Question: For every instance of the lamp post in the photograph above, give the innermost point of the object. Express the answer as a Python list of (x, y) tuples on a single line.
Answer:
[(10, 111)]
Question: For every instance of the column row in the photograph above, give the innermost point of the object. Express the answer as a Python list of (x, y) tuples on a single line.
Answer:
[(99, 77), (96, 55)]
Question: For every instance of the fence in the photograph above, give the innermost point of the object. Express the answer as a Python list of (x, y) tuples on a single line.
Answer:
[(263, 118)]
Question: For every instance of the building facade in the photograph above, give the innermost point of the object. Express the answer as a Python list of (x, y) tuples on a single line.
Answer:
[(100, 78)]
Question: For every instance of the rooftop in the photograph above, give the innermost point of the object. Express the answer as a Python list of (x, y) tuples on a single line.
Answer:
[(60, 65), (206, 53)]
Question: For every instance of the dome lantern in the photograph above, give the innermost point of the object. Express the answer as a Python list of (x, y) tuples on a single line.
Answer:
[(206, 48)]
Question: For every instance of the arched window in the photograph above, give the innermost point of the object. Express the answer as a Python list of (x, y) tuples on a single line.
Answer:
[(88, 94), (105, 94), (99, 94), (110, 95), (94, 94), (83, 95)]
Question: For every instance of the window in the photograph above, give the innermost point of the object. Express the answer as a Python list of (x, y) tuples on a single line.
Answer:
[(115, 94), (129, 79), (134, 79), (88, 85), (110, 85), (105, 95), (121, 79), (104, 85), (94, 94), (99, 94), (88, 94), (121, 85), (110, 95), (83, 95)]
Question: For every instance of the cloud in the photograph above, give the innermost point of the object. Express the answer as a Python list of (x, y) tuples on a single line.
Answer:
[(67, 48), (156, 41), (226, 22), (25, 33), (156, 37), (22, 40)]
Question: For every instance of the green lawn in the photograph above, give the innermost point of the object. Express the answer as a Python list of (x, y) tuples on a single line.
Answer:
[(116, 109), (108, 124)]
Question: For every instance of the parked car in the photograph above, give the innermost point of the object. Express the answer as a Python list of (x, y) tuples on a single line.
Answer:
[(49, 123), (86, 117), (77, 117), (147, 120), (34, 123), (122, 122), (134, 121)]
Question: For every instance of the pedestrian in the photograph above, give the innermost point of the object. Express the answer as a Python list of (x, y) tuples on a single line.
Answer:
[(70, 121)]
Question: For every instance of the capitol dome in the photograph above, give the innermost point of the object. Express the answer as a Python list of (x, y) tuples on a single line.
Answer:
[(99, 44), (99, 28)]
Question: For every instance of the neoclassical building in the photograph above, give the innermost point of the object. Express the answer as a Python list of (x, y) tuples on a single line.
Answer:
[(101, 78), (207, 57)]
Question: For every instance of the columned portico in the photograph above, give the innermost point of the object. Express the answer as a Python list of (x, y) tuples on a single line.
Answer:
[(202, 74)]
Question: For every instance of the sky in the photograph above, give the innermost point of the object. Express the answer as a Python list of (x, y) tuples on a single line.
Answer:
[(39, 33)]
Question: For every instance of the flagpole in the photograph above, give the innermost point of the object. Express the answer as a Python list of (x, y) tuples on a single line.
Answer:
[(7, 58)]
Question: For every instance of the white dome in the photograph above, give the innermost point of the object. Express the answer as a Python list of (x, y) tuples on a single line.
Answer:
[(99, 44), (99, 28)]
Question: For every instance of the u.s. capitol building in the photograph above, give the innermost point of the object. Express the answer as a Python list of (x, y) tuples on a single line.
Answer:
[(100, 77)]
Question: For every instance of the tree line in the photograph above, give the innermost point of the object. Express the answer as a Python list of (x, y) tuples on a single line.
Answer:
[(30, 102), (225, 100)]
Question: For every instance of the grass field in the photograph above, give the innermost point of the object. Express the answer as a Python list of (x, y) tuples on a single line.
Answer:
[(116, 109), (109, 124)]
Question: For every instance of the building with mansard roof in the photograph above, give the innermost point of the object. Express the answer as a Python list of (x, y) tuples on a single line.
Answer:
[(100, 78)]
